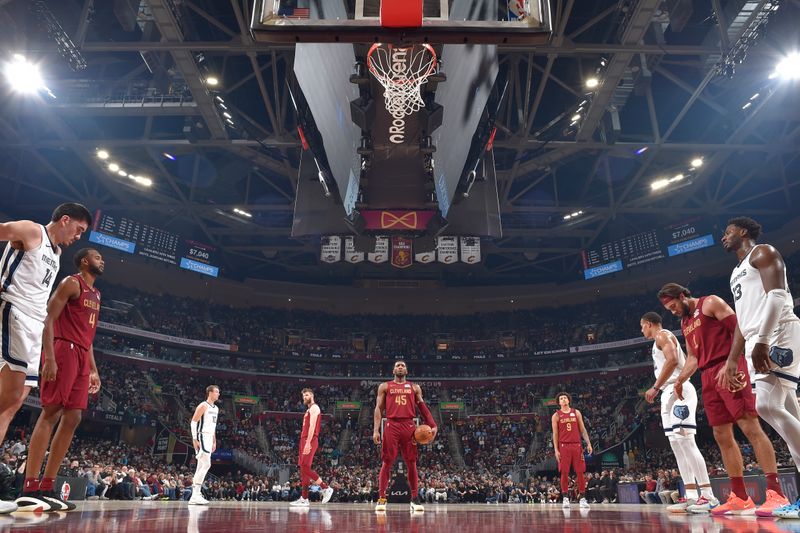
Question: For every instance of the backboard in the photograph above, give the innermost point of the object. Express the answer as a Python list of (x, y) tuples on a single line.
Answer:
[(519, 22)]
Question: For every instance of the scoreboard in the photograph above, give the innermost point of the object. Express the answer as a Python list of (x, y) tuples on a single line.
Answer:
[(134, 237), (641, 248)]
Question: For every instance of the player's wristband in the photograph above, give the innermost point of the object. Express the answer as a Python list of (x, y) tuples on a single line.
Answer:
[(194, 429)]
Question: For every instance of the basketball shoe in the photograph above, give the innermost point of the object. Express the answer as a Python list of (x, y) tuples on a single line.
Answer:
[(381, 505), (416, 505), (703, 504), (682, 506), (55, 501), (584, 504), (565, 503), (773, 501), (736, 506), (33, 502), (327, 494), (300, 502), (791, 510), (7, 507), (197, 499)]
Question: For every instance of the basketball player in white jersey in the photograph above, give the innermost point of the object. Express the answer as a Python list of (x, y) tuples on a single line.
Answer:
[(768, 332), (204, 438), (678, 417), (28, 269)]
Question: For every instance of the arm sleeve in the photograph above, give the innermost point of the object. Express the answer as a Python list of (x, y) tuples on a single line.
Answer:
[(426, 414), (776, 299), (194, 429)]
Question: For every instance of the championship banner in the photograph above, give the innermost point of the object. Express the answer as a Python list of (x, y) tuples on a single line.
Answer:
[(402, 256), (447, 250), (470, 250), (381, 253), (396, 220), (331, 251), (425, 257), (351, 255)]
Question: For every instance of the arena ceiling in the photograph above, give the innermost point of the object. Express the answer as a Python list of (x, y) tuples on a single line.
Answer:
[(676, 80)]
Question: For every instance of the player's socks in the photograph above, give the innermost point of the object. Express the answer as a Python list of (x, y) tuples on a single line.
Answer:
[(31, 485), (773, 484), (46, 484), (738, 488)]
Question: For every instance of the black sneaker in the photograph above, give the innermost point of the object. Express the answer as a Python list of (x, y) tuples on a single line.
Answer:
[(56, 503), (33, 502)]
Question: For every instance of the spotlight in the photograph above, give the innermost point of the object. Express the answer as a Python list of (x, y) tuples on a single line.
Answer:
[(678, 177), (748, 104), (659, 184), (242, 212), (641, 150), (697, 162), (789, 67), (147, 182), (169, 156), (212, 81), (226, 114), (113, 167), (24, 77), (592, 82), (102, 154), (576, 117), (123, 173)]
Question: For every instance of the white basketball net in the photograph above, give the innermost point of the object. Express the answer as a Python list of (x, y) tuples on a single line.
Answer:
[(402, 71)]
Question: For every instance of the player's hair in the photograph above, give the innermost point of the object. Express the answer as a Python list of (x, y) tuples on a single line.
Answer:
[(307, 390), (210, 388), (673, 290), (80, 255), (652, 317), (752, 227), (74, 211), (399, 361), (564, 393)]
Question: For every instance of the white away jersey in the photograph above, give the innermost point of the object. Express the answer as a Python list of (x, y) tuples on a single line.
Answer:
[(749, 298), (659, 359), (27, 276), (208, 422)]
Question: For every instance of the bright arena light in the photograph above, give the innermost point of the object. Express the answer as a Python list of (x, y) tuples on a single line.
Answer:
[(102, 154), (147, 182), (24, 76), (591, 83), (576, 117), (123, 173), (113, 167), (212, 81), (697, 162), (659, 184), (788, 68)]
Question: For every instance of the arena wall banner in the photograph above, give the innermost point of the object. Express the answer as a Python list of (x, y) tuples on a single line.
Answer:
[(470, 250), (600, 346), (402, 256), (351, 255), (451, 406), (171, 339), (447, 250), (381, 253), (331, 249), (344, 405), (246, 400)]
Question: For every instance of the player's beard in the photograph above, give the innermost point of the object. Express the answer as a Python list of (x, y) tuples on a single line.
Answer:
[(685, 308), (95, 271)]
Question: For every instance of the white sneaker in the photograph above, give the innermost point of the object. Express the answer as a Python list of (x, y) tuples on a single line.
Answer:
[(7, 507), (703, 505), (381, 505), (416, 506), (327, 494), (584, 504), (300, 502), (681, 507), (198, 500), (565, 503)]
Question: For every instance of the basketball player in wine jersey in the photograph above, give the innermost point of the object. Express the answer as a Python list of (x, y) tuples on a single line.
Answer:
[(69, 375), (204, 440), (28, 269), (567, 431), (768, 332), (309, 442), (400, 399), (678, 416), (708, 324)]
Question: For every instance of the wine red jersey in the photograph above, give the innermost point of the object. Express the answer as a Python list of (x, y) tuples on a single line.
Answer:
[(401, 402), (568, 427), (706, 336), (78, 321), (307, 422)]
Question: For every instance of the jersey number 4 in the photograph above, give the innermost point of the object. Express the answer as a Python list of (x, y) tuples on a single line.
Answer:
[(400, 400), (48, 278)]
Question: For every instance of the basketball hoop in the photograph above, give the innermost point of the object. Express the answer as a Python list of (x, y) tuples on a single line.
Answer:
[(402, 71)]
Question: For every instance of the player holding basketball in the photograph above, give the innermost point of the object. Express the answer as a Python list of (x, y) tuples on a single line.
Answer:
[(678, 416), (28, 269), (204, 439), (567, 431), (309, 443), (69, 375), (400, 399), (708, 324), (769, 333)]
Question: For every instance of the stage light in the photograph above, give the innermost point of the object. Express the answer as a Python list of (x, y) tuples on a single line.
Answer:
[(659, 184), (147, 182), (242, 212), (697, 162), (748, 104), (24, 76), (113, 167), (212, 81), (641, 150), (102, 154), (576, 117), (226, 114), (678, 177), (123, 173), (592, 82), (169, 156), (788, 68)]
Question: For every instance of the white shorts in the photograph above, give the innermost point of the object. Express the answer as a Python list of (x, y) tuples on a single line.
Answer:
[(206, 443), (784, 354), (20, 342), (679, 417)]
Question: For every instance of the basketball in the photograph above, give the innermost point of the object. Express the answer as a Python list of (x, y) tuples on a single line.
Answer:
[(423, 434)]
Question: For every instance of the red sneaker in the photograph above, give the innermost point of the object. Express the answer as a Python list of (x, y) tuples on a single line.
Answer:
[(735, 505), (773, 501)]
